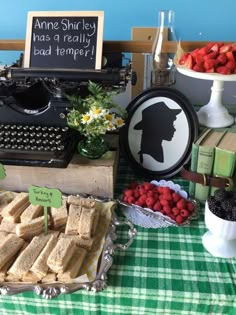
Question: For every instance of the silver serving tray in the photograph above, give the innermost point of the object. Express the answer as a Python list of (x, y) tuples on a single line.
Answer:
[(49, 291)]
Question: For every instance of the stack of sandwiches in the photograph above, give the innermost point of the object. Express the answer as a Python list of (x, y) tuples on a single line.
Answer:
[(28, 255)]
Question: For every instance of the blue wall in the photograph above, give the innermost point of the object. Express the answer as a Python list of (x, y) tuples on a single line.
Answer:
[(194, 20)]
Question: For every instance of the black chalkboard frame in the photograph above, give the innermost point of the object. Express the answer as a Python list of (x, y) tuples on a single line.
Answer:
[(62, 14)]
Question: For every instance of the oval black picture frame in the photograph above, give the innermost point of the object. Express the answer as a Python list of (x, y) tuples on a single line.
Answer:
[(159, 131)]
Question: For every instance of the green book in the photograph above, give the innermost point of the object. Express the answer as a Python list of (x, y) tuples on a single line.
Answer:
[(194, 158), (225, 156), (205, 160)]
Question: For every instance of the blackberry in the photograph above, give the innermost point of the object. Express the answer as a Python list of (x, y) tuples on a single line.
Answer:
[(227, 204), (220, 194), (218, 211), (234, 213), (212, 202)]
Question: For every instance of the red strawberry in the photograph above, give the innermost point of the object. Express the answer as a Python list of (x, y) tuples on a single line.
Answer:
[(230, 56), (188, 62), (209, 63), (198, 67), (230, 65), (199, 58), (225, 48), (204, 51), (179, 219), (184, 213), (211, 55), (183, 58), (221, 59), (223, 70), (210, 45), (211, 70), (217, 46)]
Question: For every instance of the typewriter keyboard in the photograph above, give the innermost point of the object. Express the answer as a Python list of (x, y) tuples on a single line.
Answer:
[(36, 145)]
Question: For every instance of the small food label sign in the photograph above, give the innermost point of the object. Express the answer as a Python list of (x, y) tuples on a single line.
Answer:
[(2, 172), (66, 39), (46, 197)]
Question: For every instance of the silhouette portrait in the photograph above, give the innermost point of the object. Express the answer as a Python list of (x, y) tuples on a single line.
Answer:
[(157, 124)]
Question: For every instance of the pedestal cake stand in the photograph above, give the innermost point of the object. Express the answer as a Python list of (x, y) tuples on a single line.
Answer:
[(214, 114)]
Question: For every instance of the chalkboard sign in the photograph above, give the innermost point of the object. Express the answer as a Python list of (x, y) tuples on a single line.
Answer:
[(66, 39)]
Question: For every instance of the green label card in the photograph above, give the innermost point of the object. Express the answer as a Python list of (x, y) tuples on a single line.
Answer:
[(2, 172), (46, 197)]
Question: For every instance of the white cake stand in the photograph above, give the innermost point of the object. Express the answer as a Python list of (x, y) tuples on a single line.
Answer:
[(214, 114)]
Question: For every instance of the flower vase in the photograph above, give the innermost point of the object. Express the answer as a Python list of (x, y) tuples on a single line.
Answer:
[(92, 147)]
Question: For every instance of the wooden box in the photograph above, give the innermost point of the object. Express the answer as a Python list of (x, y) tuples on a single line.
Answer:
[(95, 177)]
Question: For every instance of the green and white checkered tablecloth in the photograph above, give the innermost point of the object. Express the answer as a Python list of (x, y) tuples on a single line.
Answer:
[(165, 271)]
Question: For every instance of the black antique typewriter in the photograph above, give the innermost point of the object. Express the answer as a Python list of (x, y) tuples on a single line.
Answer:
[(33, 108)]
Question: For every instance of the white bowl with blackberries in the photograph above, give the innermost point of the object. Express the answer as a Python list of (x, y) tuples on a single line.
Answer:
[(220, 219)]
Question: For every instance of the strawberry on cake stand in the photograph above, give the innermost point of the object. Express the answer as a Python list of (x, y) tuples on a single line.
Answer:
[(215, 62), (214, 114)]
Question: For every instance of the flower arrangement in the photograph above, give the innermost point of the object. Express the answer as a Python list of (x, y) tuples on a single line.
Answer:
[(96, 113)]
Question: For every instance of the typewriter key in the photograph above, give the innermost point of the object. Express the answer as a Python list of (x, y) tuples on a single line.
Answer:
[(25, 127), (45, 135), (32, 141), (52, 135), (19, 127), (32, 134), (39, 135), (13, 127), (13, 133), (6, 127), (61, 148), (31, 128), (33, 147), (7, 146), (38, 128), (20, 147), (27, 147), (47, 148), (64, 129)]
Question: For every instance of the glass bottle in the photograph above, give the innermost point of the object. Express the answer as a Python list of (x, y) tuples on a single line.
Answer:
[(163, 68)]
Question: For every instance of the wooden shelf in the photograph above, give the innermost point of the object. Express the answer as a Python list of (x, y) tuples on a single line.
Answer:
[(131, 46)]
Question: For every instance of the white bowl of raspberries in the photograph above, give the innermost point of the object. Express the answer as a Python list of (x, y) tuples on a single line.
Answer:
[(157, 204), (220, 219)]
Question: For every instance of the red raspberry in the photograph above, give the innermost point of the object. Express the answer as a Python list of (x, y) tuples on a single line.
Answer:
[(179, 219), (150, 201), (190, 206), (176, 197), (171, 216), (125, 199), (138, 203), (156, 196), (147, 186), (184, 213), (181, 204), (140, 187), (175, 211), (166, 190), (136, 194), (160, 189), (157, 206), (142, 199), (128, 192), (167, 196), (133, 185), (142, 191), (164, 202), (167, 209), (150, 193), (131, 199)]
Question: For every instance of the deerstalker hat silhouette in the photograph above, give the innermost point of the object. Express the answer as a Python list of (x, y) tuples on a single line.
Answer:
[(156, 112)]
